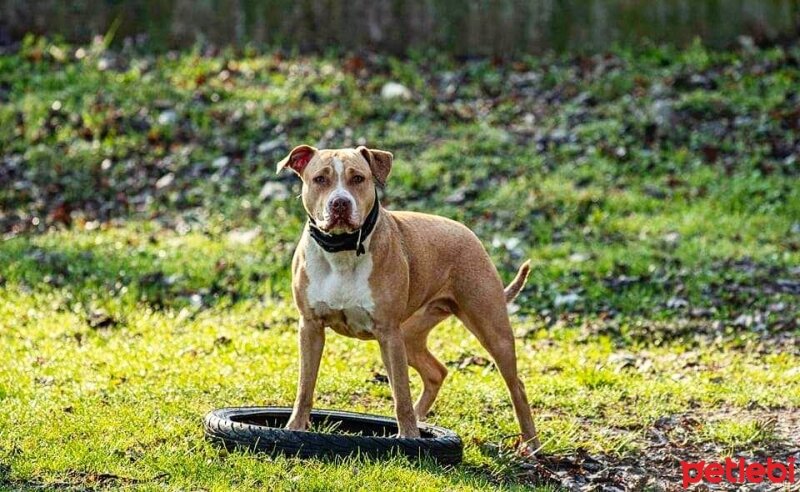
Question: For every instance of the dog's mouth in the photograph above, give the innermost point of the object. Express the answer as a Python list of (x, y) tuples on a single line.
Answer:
[(338, 224)]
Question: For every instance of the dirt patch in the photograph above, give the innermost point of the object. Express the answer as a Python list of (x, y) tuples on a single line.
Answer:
[(670, 440)]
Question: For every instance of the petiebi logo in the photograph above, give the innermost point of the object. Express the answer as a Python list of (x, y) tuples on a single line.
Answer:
[(738, 471)]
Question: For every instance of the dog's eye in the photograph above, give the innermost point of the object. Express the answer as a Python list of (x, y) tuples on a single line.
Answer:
[(320, 180), (357, 179)]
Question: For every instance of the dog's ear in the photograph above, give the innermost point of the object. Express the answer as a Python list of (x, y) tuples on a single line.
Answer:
[(380, 162), (298, 159)]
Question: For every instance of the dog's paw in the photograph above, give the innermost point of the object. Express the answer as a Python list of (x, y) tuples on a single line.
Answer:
[(297, 424), (529, 449), (411, 432)]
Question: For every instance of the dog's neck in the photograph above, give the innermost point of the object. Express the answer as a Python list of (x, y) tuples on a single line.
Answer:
[(342, 262)]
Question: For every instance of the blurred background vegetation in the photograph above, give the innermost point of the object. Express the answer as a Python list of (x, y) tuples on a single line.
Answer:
[(472, 27), (607, 168)]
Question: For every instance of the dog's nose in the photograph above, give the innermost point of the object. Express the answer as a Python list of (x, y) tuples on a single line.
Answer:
[(340, 205)]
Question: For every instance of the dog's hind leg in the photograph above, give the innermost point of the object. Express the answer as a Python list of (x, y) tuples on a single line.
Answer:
[(432, 373), (415, 332), (493, 330)]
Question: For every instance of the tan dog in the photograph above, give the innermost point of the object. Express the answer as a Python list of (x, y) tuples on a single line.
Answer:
[(373, 274)]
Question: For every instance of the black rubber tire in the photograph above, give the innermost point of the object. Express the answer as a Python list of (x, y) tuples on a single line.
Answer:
[(260, 429)]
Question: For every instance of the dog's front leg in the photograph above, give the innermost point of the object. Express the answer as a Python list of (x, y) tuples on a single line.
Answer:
[(393, 353), (311, 342)]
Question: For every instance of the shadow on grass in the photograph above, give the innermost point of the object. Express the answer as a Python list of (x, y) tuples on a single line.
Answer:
[(131, 275)]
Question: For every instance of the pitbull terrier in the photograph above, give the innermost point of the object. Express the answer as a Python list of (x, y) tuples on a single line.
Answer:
[(374, 274)]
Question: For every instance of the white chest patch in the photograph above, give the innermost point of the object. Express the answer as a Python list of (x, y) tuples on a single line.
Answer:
[(338, 289)]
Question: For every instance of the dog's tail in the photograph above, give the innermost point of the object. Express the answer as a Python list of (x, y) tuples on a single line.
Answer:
[(518, 283)]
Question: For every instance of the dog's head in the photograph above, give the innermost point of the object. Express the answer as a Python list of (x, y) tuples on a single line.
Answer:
[(339, 184)]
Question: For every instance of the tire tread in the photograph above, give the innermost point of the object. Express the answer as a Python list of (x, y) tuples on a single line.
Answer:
[(445, 447)]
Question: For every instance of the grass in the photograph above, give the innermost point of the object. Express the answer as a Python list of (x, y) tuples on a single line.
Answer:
[(737, 433), (665, 255)]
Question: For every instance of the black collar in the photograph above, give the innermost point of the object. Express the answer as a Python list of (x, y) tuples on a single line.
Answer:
[(348, 241)]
